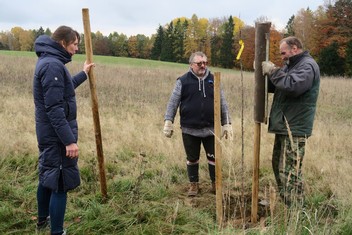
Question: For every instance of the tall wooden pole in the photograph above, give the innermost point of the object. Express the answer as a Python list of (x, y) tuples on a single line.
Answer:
[(94, 98), (262, 30), (255, 179), (218, 150)]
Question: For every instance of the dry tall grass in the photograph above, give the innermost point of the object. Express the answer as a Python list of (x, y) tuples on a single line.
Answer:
[(132, 102)]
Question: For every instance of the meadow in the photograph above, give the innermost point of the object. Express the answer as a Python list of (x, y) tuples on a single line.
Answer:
[(146, 172)]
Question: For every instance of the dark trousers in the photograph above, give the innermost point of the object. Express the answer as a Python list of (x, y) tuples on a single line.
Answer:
[(53, 204), (192, 145)]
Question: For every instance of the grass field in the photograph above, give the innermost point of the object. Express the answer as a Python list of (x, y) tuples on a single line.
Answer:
[(146, 172)]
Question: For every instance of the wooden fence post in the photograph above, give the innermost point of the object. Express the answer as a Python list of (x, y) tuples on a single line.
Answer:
[(262, 30), (218, 150), (94, 98)]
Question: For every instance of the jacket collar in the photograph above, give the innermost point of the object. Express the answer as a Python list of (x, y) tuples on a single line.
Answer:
[(294, 59)]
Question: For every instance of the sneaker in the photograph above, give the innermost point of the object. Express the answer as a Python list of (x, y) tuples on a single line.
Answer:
[(213, 188), (193, 189)]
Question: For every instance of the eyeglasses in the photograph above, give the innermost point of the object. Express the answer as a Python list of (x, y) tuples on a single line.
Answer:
[(199, 64)]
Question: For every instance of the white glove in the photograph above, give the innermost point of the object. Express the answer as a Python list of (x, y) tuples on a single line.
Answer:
[(268, 67), (226, 130), (168, 128)]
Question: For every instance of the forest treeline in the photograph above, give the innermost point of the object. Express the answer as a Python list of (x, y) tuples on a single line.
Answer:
[(326, 33)]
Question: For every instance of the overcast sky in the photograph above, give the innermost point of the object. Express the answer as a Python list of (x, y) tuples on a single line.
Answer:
[(132, 17)]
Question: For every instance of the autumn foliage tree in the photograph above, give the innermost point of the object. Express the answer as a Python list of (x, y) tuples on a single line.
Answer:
[(342, 12), (118, 44), (274, 50), (218, 38), (304, 27), (101, 45), (247, 57)]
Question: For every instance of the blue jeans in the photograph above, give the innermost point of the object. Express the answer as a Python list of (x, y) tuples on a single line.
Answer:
[(52, 204)]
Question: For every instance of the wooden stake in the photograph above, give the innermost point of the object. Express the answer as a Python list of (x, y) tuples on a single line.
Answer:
[(262, 29), (255, 178), (218, 150), (94, 98)]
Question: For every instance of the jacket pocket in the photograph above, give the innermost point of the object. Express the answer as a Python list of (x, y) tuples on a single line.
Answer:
[(67, 110)]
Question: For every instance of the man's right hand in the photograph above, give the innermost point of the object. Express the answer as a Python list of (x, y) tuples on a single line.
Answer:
[(168, 128), (268, 67)]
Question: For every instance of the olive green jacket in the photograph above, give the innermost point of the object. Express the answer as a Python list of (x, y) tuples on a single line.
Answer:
[(295, 96)]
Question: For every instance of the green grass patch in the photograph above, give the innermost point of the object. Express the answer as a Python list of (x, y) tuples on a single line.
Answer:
[(146, 173)]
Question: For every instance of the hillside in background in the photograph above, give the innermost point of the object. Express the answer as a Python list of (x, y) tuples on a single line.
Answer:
[(146, 172)]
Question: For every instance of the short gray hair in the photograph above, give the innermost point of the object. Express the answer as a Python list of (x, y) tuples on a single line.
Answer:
[(197, 53), (292, 41)]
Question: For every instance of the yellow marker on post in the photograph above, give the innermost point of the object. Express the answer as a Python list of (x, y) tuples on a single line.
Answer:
[(241, 49)]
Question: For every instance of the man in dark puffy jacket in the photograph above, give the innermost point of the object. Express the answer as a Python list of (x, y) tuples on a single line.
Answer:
[(292, 114), (56, 125)]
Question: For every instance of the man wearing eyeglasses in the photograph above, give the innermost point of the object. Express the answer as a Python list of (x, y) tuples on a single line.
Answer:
[(194, 94), (296, 89)]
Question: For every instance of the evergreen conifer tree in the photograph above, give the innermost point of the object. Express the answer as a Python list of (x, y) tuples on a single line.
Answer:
[(156, 50), (167, 49), (348, 64), (180, 31), (330, 63), (227, 54)]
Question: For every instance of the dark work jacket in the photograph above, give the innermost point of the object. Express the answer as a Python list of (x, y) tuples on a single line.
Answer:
[(55, 114), (295, 97), (197, 101)]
